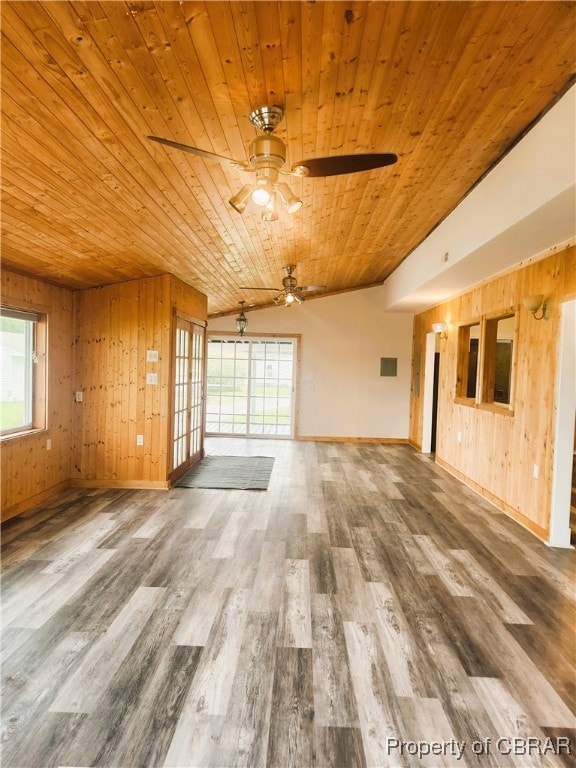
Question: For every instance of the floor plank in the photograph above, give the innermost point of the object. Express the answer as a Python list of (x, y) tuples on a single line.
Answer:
[(291, 737)]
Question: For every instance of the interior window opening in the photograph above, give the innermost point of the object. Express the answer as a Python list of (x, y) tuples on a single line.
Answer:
[(498, 360), (468, 359)]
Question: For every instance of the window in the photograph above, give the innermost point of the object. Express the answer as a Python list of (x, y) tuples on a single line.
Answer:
[(485, 363), (22, 371)]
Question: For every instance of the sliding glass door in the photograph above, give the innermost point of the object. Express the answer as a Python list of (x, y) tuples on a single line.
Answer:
[(250, 387)]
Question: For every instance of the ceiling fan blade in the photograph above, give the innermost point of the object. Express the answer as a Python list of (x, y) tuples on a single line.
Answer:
[(337, 165), (254, 288), (201, 152), (311, 288)]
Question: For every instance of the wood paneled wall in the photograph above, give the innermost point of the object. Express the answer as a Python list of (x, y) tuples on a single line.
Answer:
[(30, 471), (498, 450), (115, 327)]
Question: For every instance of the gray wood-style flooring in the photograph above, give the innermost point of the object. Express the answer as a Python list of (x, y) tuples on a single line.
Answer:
[(366, 610)]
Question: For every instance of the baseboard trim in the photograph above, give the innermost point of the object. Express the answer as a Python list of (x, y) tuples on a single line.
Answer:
[(524, 521), (324, 439), (23, 506), (158, 485)]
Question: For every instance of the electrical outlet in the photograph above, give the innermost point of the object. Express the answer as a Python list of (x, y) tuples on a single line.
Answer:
[(78, 396), (139, 439)]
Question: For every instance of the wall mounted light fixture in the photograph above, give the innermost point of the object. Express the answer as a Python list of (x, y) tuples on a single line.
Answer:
[(241, 320), (538, 303), (440, 329)]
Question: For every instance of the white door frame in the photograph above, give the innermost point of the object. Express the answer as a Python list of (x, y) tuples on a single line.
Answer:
[(428, 394), (564, 417)]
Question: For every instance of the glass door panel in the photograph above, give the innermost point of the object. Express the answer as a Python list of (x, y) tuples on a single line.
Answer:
[(188, 392), (250, 387), (227, 384), (196, 391)]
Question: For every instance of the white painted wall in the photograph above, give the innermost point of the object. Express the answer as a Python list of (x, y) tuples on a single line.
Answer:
[(343, 338)]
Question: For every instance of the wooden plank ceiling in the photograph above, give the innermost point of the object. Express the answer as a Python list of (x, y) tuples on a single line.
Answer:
[(89, 200)]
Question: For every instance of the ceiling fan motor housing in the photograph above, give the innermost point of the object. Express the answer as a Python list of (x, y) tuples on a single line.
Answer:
[(289, 283), (267, 151)]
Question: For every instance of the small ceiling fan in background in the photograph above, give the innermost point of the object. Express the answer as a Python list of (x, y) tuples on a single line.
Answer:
[(290, 292), (267, 155)]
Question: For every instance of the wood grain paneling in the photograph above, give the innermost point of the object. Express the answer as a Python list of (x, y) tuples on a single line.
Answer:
[(115, 327), (31, 472), (446, 86), (500, 446)]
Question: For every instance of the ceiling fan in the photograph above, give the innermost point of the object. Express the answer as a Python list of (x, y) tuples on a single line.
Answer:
[(290, 292), (267, 155)]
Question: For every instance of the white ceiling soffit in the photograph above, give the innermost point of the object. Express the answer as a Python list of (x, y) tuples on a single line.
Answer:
[(524, 207)]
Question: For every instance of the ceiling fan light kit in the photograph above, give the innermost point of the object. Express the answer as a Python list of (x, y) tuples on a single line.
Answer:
[(269, 213), (289, 200), (289, 299), (263, 189), (241, 200)]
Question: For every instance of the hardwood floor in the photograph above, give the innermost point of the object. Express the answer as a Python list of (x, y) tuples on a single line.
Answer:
[(366, 610)]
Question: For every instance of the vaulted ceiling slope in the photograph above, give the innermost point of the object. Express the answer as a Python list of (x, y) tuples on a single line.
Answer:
[(88, 199)]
